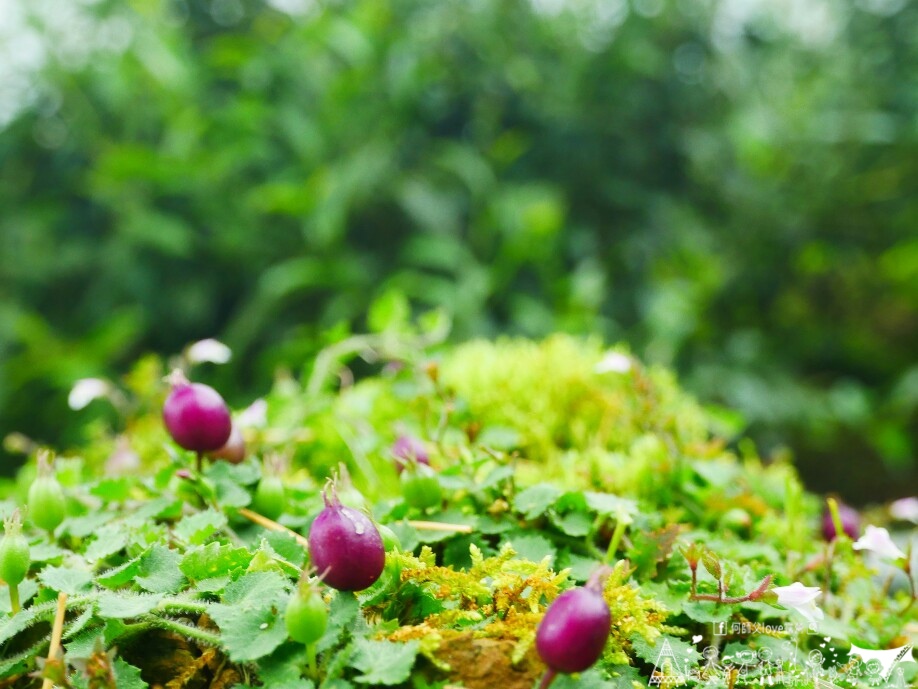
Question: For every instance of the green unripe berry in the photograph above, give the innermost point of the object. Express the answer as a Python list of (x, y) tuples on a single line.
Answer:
[(14, 552), (269, 498), (47, 504), (420, 486), (307, 615)]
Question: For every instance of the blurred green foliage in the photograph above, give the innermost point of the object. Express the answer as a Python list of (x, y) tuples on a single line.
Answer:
[(723, 185)]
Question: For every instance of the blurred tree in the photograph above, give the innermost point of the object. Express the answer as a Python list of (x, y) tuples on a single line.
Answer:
[(722, 184)]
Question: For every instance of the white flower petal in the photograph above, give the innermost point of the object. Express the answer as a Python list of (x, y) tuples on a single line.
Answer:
[(254, 416), (877, 539), (905, 509), (86, 390), (800, 598), (209, 350), (613, 362)]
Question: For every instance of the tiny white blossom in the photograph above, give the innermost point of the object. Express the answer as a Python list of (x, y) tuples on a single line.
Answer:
[(209, 350), (613, 362), (800, 598), (905, 509), (878, 540), (254, 416), (86, 390)]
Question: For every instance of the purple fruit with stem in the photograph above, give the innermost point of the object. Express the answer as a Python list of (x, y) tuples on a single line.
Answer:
[(196, 416), (574, 630), (345, 546), (407, 449)]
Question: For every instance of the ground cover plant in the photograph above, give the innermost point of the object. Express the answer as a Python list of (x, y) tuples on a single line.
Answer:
[(495, 514)]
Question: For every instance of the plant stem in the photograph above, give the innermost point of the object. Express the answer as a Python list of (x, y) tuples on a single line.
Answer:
[(176, 605), (185, 630), (620, 527), (836, 517), (199, 461), (311, 651), (439, 526), (14, 598), (755, 594), (272, 525), (57, 631), (547, 678)]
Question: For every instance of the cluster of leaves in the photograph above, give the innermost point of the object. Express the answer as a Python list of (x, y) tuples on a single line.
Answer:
[(552, 457)]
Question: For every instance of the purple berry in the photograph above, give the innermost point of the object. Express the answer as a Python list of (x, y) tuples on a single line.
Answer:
[(573, 633), (407, 449), (850, 520), (345, 546), (196, 416), (233, 451)]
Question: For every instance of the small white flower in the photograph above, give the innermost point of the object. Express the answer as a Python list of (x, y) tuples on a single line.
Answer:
[(877, 539), (800, 598), (209, 350), (86, 390), (613, 362), (253, 416), (905, 509)]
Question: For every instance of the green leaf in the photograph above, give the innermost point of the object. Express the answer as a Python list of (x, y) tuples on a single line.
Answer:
[(84, 643), (283, 668), (127, 676), (683, 652), (214, 560), (343, 614), (197, 528), (46, 552), (113, 489), (66, 580), (593, 679), (708, 612), (162, 507), (534, 501), (575, 524), (285, 545), (384, 662), (532, 546), (159, 570), (121, 575), (124, 605), (230, 480), (110, 539), (608, 505), (388, 312), (79, 624), (86, 525), (248, 615)]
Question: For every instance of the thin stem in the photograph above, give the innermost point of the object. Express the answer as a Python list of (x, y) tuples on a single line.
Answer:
[(755, 594), (14, 598), (547, 678), (183, 629), (176, 605), (272, 525), (199, 461), (57, 631), (439, 526), (311, 652), (836, 517), (620, 527)]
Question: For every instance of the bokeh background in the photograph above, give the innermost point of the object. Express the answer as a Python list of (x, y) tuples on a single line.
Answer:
[(727, 185)]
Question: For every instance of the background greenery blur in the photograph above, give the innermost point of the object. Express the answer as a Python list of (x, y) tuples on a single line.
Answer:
[(727, 185)]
